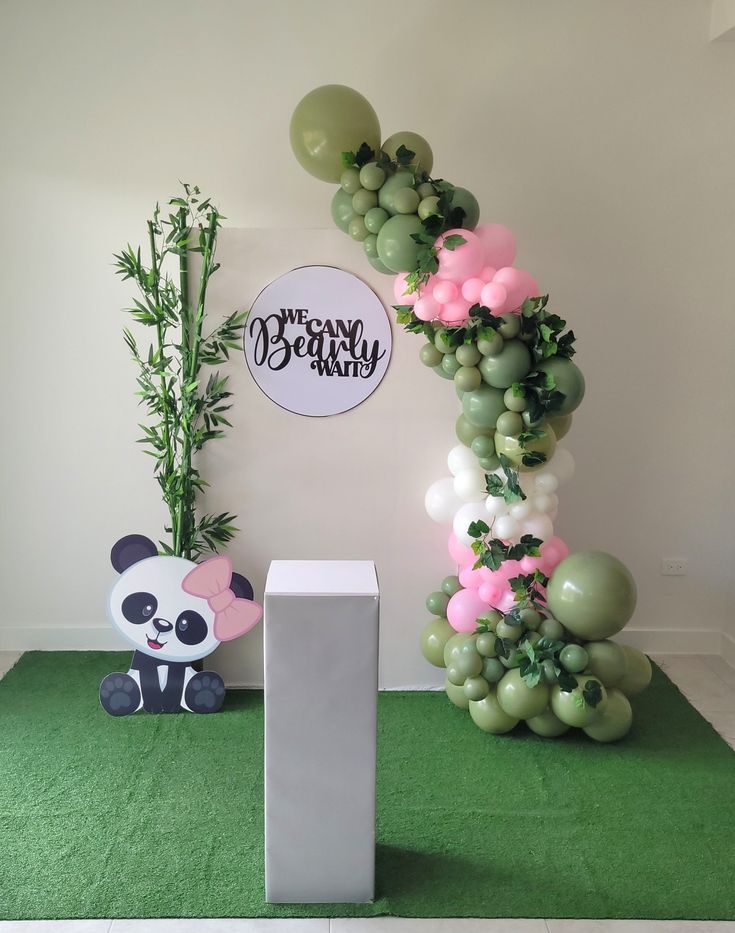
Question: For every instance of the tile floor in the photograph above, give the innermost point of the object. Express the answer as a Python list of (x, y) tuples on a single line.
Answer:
[(709, 685)]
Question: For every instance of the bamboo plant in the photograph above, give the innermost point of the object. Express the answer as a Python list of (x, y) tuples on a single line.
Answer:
[(185, 407)]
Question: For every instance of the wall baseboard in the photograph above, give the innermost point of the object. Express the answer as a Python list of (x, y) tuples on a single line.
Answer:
[(727, 649)]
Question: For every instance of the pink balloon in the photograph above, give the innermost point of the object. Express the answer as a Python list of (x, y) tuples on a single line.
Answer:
[(399, 287), (498, 244), (464, 609), (460, 553), (469, 578), (529, 564), (507, 601), (491, 593), (518, 283), (464, 261), (554, 551), (445, 292), (494, 296), (487, 274), (455, 312), (472, 289), (427, 308)]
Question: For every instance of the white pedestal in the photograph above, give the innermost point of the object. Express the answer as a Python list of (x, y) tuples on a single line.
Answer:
[(321, 679)]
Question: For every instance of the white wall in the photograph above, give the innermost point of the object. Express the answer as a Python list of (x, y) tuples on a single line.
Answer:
[(600, 131)]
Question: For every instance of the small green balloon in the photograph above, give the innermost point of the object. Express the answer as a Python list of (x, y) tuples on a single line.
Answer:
[(455, 675), (437, 603), (468, 354), (488, 715), (451, 585), (378, 266), (553, 629), (490, 617), (514, 658), (511, 448), (363, 200), (483, 406), (469, 664), (458, 392), (510, 327), (468, 202), (440, 372), (548, 725), (371, 176), (531, 618), (445, 341), (430, 356), (467, 378), (519, 700), (515, 402), (349, 181), (466, 431), (548, 672), (592, 593), (401, 179), (569, 380), (357, 229), (570, 706), (489, 463), (561, 425), (451, 649), (328, 121), (637, 674), (492, 670), (341, 209), (483, 447), (490, 347), (449, 364), (532, 637), (614, 719), (486, 642), (475, 688), (573, 658), (426, 190), (510, 423), (396, 248), (509, 632), (456, 694), (434, 638), (607, 661), (428, 206), (512, 364), (375, 218), (423, 156), (370, 246), (529, 422), (406, 201)]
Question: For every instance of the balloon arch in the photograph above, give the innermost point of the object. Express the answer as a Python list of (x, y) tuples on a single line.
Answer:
[(523, 628)]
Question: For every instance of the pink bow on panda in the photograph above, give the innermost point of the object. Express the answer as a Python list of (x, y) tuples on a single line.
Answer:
[(211, 580)]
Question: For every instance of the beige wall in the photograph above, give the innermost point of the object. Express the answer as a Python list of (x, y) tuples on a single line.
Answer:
[(601, 132)]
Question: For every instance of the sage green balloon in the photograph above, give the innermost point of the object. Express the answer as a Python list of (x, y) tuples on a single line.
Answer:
[(401, 179), (483, 406), (451, 585), (573, 658), (531, 618), (510, 422), (485, 643), (509, 632), (375, 218), (450, 365), (553, 629), (467, 378), (569, 380), (466, 431), (440, 372), (456, 694), (349, 181), (445, 340), (370, 246), (607, 661), (510, 447), (451, 649), (492, 670), (363, 200), (510, 327), (455, 676), (342, 209), (468, 202), (519, 700), (547, 725), (434, 638), (515, 656), (396, 249), (532, 637), (483, 447), (426, 190), (475, 688), (490, 347), (406, 201), (458, 392), (488, 715), (489, 463), (561, 425), (637, 674), (468, 664), (430, 356), (423, 158), (378, 266), (512, 364), (516, 403), (548, 672), (490, 617), (468, 354), (328, 121), (371, 176), (437, 603), (570, 706), (428, 206), (592, 594), (357, 229), (614, 719)]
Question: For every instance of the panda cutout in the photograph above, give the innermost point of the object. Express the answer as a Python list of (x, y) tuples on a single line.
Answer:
[(173, 612)]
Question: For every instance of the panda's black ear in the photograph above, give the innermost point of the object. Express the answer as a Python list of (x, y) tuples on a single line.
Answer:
[(241, 586), (131, 549)]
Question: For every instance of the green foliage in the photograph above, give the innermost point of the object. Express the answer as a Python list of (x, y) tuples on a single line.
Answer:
[(508, 489), (184, 413), (492, 552)]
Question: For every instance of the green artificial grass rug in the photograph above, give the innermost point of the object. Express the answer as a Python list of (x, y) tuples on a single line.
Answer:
[(162, 816)]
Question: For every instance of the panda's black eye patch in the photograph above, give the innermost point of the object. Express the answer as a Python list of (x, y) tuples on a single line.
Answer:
[(191, 629), (139, 607)]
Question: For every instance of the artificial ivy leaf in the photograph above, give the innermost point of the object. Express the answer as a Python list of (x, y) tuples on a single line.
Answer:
[(494, 485), (364, 155), (592, 693), (567, 682), (503, 647), (533, 458), (347, 159), (481, 629), (513, 617), (478, 529), (453, 241), (404, 156), (404, 314)]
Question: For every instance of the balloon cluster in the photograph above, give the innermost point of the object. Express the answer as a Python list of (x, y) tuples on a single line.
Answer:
[(513, 649)]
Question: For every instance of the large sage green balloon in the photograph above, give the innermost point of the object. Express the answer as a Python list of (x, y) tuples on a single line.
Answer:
[(434, 638), (560, 425), (570, 706), (510, 448), (614, 719), (547, 724), (488, 715), (512, 364), (342, 209), (569, 380), (396, 248), (637, 674), (423, 158), (606, 661), (482, 406), (468, 202), (401, 179), (328, 121), (592, 594), (456, 694), (465, 430), (519, 700)]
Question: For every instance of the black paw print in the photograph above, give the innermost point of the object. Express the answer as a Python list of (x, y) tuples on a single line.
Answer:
[(119, 694), (205, 692)]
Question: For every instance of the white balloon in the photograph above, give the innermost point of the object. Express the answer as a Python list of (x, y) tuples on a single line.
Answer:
[(543, 503), (540, 526), (554, 502), (507, 528), (496, 505), (441, 501), (546, 481), (562, 464), (521, 510), (466, 514), (461, 458), (469, 485)]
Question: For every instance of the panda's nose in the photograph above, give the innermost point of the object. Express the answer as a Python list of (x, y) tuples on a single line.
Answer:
[(162, 625)]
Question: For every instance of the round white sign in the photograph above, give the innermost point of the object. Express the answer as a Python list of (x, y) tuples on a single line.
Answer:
[(317, 341)]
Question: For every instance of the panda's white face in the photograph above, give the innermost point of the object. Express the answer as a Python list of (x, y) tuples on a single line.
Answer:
[(150, 609)]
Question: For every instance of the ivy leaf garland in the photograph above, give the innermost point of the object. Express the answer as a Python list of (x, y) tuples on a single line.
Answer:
[(508, 489)]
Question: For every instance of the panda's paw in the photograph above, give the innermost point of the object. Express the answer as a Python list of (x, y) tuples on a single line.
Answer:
[(119, 694), (205, 692)]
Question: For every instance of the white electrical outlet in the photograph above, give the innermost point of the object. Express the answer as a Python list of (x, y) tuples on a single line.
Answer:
[(673, 566)]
